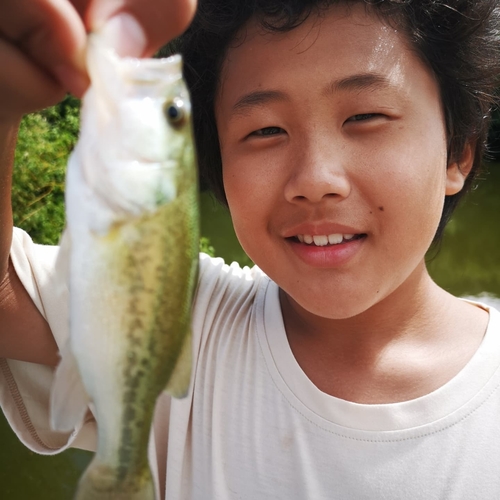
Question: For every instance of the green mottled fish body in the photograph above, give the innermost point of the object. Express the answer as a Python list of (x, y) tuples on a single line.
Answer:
[(131, 251)]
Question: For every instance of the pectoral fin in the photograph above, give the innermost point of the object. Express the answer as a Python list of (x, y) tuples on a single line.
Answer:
[(68, 399), (178, 384)]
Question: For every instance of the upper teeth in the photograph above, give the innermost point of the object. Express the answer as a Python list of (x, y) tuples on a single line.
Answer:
[(322, 240)]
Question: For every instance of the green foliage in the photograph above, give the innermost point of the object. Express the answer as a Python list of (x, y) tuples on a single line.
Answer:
[(45, 140), (206, 247)]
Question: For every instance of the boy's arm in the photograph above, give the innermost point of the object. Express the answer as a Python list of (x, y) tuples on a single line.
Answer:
[(24, 333)]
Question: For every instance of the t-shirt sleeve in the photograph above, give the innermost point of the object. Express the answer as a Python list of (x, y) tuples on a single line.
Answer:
[(25, 387)]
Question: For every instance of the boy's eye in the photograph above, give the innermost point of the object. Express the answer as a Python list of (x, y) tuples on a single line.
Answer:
[(363, 117), (268, 131)]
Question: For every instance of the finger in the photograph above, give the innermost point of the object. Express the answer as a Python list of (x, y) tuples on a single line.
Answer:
[(29, 88), (140, 27), (51, 34)]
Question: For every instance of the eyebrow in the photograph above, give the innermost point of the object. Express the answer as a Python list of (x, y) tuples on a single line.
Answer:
[(258, 98), (359, 82)]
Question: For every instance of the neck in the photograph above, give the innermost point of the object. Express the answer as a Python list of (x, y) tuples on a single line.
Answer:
[(396, 350), (403, 312)]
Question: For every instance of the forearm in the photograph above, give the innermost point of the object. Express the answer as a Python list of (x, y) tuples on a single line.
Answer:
[(24, 333), (8, 135)]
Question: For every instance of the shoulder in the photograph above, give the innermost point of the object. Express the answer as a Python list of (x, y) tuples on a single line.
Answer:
[(226, 294), (490, 304), (35, 265), (30, 258), (215, 275), (222, 284)]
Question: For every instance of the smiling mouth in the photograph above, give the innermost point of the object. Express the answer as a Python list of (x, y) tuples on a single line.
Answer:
[(323, 240)]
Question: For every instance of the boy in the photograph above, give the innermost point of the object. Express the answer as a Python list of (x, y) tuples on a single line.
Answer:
[(341, 135)]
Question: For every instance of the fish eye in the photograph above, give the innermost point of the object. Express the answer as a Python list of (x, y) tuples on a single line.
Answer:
[(175, 112)]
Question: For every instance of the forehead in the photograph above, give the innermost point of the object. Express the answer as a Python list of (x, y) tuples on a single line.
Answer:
[(338, 41)]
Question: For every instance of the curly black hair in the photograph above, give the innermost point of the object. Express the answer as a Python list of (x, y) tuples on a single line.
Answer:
[(459, 40)]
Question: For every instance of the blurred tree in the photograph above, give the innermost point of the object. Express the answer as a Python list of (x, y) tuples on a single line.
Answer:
[(45, 140)]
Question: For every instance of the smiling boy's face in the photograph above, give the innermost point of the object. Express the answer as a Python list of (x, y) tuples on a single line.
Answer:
[(331, 130)]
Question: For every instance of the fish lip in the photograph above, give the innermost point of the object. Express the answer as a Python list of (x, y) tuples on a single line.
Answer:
[(320, 229)]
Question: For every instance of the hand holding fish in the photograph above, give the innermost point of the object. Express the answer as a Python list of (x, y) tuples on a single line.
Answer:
[(42, 43)]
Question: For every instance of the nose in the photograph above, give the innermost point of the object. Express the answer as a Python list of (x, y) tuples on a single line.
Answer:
[(316, 173)]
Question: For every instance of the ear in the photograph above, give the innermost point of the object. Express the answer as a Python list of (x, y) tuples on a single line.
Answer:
[(458, 171)]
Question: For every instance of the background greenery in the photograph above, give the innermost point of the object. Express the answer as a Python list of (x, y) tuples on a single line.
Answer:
[(45, 140)]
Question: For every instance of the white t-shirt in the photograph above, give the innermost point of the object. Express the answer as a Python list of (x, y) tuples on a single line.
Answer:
[(255, 427)]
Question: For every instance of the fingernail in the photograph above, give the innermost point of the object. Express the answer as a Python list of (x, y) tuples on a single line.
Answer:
[(124, 34)]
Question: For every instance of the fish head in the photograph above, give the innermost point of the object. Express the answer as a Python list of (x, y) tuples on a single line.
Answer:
[(138, 148)]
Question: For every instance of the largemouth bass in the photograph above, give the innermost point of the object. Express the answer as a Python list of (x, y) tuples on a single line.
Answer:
[(131, 250)]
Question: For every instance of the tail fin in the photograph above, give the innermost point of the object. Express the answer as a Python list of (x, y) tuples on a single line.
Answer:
[(101, 482)]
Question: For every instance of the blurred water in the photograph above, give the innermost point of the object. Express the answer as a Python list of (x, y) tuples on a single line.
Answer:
[(468, 264)]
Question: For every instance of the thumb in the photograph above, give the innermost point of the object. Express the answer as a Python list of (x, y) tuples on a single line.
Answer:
[(138, 28)]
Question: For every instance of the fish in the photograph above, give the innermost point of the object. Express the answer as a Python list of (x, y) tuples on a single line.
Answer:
[(129, 254)]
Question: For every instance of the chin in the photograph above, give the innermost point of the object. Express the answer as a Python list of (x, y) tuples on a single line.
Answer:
[(335, 308)]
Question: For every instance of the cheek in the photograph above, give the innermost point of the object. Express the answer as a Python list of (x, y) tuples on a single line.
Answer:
[(254, 193), (411, 170), (237, 185), (249, 181), (246, 198), (414, 202)]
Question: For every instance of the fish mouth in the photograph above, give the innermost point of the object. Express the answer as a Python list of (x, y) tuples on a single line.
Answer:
[(322, 240)]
